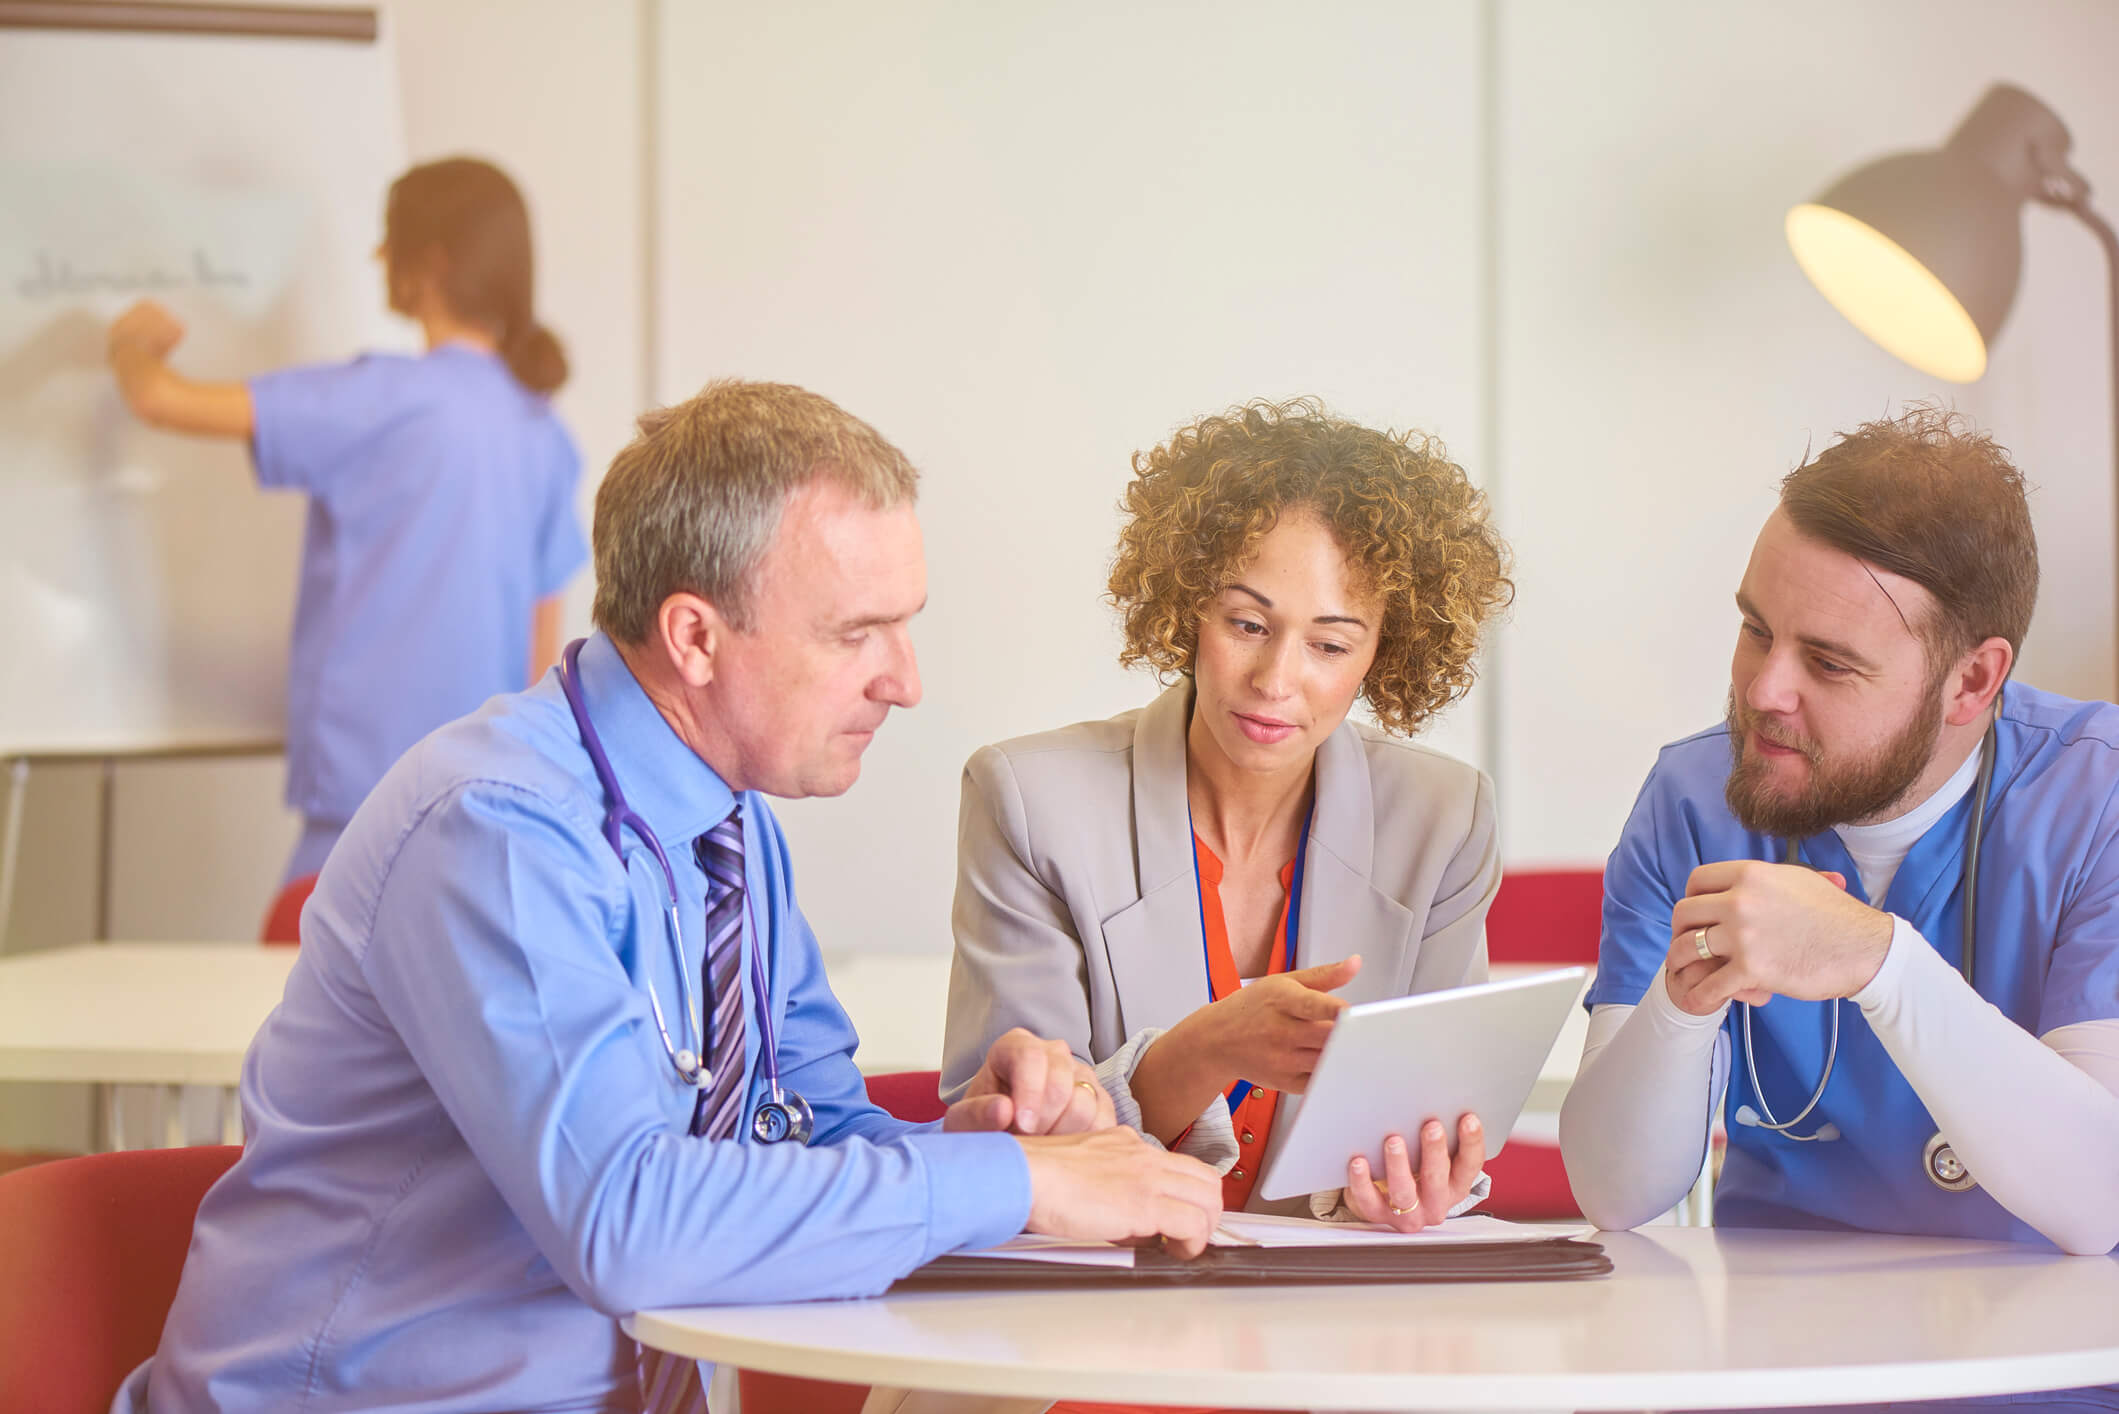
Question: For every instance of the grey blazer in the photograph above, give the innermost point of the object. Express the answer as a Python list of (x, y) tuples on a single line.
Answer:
[(1077, 909)]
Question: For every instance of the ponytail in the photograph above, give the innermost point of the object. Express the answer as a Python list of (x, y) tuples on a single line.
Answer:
[(535, 358), (469, 216)]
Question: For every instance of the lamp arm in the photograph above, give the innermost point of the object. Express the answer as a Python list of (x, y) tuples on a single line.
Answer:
[(2102, 229)]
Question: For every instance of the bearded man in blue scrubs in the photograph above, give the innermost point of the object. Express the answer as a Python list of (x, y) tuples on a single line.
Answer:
[(482, 1126), (1879, 620)]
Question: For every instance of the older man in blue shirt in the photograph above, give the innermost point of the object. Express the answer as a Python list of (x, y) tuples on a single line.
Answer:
[(487, 1120)]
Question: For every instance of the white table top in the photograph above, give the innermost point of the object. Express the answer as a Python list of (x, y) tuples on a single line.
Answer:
[(137, 1013), (1691, 1318)]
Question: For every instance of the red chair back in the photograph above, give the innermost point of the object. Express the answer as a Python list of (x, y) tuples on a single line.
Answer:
[(283, 923), (1551, 916), (909, 1094), (913, 1095), (90, 1251), (1547, 915)]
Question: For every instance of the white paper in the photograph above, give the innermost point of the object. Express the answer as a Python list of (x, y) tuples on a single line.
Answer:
[(1266, 1230), (1035, 1247)]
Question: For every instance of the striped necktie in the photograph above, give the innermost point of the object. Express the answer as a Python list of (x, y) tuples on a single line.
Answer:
[(669, 1384)]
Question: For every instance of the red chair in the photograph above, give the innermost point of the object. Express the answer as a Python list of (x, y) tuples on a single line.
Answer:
[(1555, 917), (909, 1094), (90, 1251), (283, 924), (1552, 916)]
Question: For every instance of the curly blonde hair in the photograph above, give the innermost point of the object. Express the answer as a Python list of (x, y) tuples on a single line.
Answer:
[(1412, 525)]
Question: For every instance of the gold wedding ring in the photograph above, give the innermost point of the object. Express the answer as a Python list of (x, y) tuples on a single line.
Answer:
[(1401, 1212), (1699, 944), (1084, 1084)]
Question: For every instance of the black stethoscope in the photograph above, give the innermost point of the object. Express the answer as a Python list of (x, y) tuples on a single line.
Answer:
[(1938, 1160), (784, 1115)]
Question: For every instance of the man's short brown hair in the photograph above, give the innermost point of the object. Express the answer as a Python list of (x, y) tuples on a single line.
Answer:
[(692, 503), (1927, 496)]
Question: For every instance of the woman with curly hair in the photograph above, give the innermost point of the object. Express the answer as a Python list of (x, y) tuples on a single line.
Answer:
[(1189, 893)]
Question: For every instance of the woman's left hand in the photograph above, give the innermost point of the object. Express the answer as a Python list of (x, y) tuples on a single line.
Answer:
[(1410, 1199)]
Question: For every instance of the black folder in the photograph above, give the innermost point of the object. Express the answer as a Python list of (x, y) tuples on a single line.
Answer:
[(1554, 1259)]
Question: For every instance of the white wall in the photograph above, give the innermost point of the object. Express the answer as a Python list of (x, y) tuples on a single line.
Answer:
[(1663, 361), (1026, 242)]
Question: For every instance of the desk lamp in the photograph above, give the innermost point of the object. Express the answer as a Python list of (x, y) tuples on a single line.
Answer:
[(1921, 251)]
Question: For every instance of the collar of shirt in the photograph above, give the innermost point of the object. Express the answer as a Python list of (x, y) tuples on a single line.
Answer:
[(664, 780), (1879, 849)]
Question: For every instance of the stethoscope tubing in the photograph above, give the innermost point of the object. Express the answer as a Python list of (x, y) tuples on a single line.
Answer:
[(1975, 839), (619, 817)]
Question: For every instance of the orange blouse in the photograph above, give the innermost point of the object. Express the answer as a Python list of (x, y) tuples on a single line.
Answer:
[(1254, 1117)]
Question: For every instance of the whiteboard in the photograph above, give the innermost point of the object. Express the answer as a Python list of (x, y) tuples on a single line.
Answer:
[(146, 584), (1025, 242)]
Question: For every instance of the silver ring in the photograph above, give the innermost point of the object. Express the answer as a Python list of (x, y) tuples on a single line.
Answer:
[(1699, 944)]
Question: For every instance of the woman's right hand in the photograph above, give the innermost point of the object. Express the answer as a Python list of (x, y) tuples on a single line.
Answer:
[(1272, 1031), (146, 330)]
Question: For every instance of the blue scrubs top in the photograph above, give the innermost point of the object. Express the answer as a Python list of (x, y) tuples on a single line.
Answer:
[(2048, 956), (467, 1150), (441, 509)]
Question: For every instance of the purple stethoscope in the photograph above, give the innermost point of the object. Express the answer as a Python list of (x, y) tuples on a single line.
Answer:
[(783, 1116)]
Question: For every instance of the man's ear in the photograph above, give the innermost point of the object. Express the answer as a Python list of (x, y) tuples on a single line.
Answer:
[(1976, 680), (691, 633)]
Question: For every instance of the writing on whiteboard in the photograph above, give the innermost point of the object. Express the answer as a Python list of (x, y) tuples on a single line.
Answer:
[(57, 277)]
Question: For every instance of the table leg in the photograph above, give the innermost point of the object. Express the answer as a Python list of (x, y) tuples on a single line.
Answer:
[(11, 844), (169, 1100), (113, 1110), (106, 842), (1696, 1208)]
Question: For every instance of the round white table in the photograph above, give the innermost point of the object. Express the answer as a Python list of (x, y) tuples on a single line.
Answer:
[(1690, 1318)]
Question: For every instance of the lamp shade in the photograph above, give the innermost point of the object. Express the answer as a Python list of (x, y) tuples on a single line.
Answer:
[(1922, 251)]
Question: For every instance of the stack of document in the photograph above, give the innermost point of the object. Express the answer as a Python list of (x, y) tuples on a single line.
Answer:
[(1257, 1247)]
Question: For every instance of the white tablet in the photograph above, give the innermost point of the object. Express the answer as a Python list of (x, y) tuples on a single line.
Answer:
[(1390, 1066)]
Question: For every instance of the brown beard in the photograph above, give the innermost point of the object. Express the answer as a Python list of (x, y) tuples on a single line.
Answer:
[(1838, 793)]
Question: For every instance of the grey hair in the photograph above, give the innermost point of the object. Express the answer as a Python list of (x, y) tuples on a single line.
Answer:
[(692, 503)]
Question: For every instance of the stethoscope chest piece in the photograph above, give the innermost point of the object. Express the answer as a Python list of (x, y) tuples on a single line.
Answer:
[(1943, 1168), (785, 1119)]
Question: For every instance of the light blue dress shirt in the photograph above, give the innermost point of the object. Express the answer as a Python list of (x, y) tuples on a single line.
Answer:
[(441, 509), (2048, 956), (467, 1151)]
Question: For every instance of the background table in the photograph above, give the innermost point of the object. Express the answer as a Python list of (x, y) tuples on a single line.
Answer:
[(1692, 1318), (160, 1014)]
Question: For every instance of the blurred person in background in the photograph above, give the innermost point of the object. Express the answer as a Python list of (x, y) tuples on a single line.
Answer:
[(441, 523)]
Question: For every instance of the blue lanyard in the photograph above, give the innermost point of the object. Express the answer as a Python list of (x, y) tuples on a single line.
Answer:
[(1242, 1090)]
